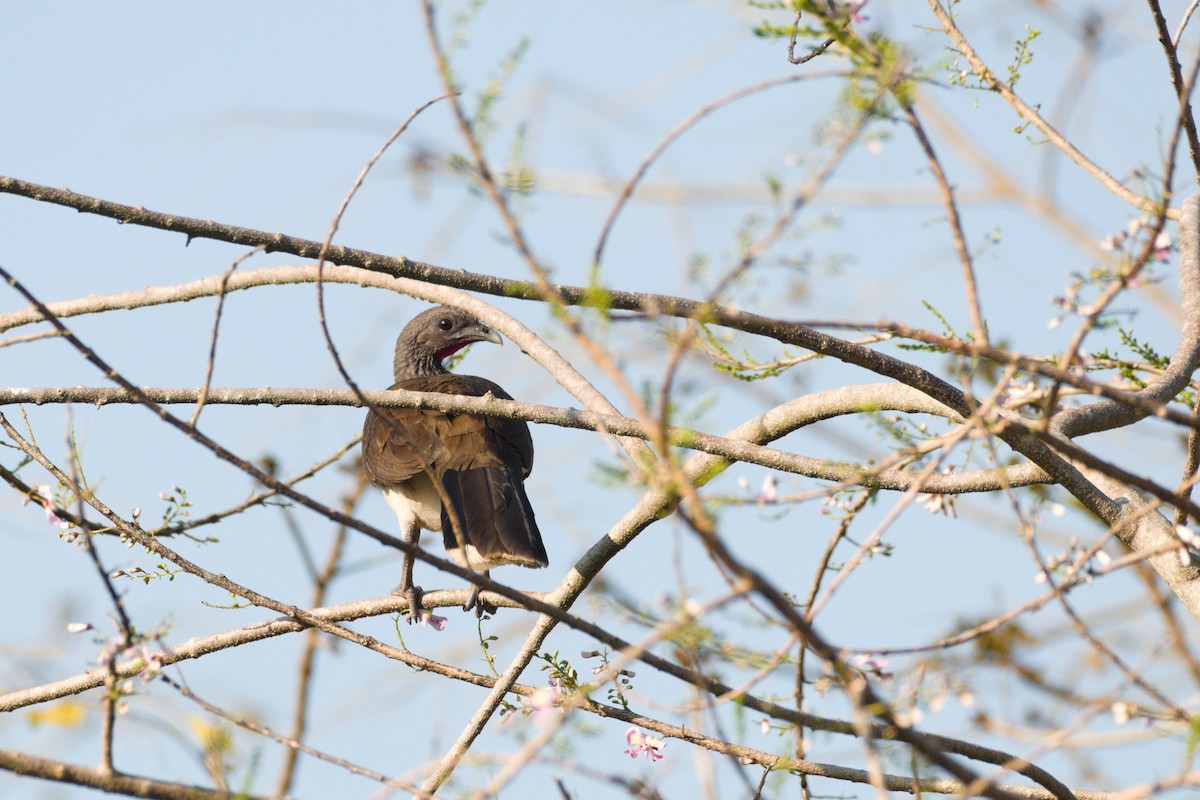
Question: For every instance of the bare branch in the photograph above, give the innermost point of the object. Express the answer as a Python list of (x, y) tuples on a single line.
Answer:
[(1028, 113)]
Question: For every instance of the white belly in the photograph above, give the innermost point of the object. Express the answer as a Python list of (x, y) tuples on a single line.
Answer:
[(416, 502)]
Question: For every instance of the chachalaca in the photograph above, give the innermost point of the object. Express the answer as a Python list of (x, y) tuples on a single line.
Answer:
[(459, 474)]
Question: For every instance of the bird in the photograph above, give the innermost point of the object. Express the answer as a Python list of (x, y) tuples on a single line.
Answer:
[(459, 474)]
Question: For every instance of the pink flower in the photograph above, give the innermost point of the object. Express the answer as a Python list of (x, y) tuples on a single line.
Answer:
[(544, 700), (770, 490), (431, 620), (643, 744), (853, 9), (871, 663), (45, 498), (152, 663), (938, 503), (1160, 249), (53, 518), (1162, 246)]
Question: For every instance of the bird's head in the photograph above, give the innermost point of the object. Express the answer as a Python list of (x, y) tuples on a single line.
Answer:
[(433, 336)]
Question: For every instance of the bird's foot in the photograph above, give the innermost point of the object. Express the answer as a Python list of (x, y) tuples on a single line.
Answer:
[(480, 607), (413, 595)]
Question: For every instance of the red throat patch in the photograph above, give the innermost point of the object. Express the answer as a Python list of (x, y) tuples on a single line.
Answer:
[(446, 352)]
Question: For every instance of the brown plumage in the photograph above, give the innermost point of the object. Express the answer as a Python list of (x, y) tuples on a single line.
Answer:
[(480, 463)]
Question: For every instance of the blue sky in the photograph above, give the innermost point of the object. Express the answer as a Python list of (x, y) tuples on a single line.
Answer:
[(262, 114)]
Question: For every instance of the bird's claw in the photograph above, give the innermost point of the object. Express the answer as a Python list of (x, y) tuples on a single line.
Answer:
[(481, 608), (413, 595)]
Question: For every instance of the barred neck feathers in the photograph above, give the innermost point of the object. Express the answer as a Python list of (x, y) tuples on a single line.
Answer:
[(433, 336)]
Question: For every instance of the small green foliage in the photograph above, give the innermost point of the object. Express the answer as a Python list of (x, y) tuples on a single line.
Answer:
[(615, 473), (1193, 742), (1023, 55), (463, 166), (947, 329), (1132, 370), (161, 570), (485, 643), (522, 289), (396, 624), (177, 508), (745, 368), (621, 681), (460, 23), (560, 670), (815, 21), (774, 186), (456, 358), (482, 120), (1145, 351), (879, 70), (595, 295), (234, 603), (518, 174)]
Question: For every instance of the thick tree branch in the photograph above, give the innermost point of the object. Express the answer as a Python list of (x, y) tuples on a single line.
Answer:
[(791, 416), (110, 782)]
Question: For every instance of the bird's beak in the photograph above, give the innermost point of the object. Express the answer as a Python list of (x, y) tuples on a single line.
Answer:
[(482, 333)]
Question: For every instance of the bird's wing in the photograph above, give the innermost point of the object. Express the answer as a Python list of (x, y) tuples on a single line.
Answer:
[(472, 442), (397, 440)]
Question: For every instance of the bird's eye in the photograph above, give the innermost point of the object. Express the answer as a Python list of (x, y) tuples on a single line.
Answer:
[(445, 323)]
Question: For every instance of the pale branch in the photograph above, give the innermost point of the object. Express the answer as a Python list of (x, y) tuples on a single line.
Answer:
[(868, 704), (109, 782), (790, 416), (1183, 22), (1030, 114), (554, 363), (196, 290)]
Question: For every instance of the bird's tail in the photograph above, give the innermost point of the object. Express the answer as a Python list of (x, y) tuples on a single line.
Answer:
[(495, 519)]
